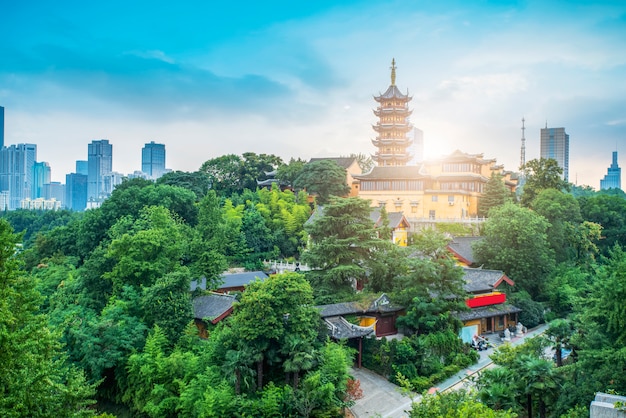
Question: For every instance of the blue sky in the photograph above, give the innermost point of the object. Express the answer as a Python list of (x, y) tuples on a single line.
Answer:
[(296, 79)]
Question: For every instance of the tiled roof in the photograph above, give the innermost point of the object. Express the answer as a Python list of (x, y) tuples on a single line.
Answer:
[(462, 246), (410, 172), (488, 312), (212, 306), (241, 279), (341, 329), (391, 92), (395, 218), (381, 304), (481, 280), (344, 162)]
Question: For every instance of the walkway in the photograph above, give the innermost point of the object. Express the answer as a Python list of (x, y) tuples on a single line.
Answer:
[(386, 400)]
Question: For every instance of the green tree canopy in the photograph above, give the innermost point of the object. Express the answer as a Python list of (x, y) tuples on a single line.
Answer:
[(35, 379), (496, 194), (516, 242), (609, 212), (324, 178), (344, 242), (196, 181), (541, 174)]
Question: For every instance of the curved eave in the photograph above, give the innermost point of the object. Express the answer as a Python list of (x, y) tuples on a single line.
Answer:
[(390, 127), (392, 141), (461, 176), (393, 92), (393, 111)]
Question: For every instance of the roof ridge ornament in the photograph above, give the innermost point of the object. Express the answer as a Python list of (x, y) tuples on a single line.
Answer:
[(393, 71)]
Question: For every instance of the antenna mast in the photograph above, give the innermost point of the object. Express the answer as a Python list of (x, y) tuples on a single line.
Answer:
[(523, 153)]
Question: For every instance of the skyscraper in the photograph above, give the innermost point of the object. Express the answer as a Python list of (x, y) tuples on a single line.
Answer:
[(1, 127), (613, 177), (16, 172), (153, 160), (555, 145), (100, 165), (82, 167), (41, 178), (76, 191)]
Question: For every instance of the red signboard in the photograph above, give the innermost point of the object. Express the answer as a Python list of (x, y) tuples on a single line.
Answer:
[(486, 300)]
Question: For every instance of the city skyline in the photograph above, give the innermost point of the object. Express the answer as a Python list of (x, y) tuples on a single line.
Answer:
[(298, 80)]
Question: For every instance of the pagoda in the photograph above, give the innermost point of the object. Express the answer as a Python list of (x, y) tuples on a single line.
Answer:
[(393, 125)]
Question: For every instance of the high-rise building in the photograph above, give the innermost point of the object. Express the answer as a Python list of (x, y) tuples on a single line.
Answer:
[(555, 145), (82, 167), (100, 165), (41, 177), (613, 177), (393, 125), (153, 160), (16, 172), (76, 191), (417, 149), (1, 127)]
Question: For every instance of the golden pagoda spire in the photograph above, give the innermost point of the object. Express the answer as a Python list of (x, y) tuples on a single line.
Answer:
[(393, 71)]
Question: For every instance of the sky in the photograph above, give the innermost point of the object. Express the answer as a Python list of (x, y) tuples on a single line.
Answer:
[(297, 79)]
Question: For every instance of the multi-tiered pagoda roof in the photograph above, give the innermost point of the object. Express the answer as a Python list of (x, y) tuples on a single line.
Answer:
[(393, 125)]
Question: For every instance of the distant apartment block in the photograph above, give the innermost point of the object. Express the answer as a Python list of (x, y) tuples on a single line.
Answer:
[(613, 177), (555, 145), (40, 204), (100, 166), (16, 172), (153, 160)]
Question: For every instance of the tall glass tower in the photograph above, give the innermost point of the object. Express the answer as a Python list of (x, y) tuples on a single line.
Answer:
[(1, 127), (153, 160), (555, 145), (17, 164), (100, 165), (613, 177)]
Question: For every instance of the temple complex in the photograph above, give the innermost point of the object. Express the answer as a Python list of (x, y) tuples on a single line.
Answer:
[(436, 190)]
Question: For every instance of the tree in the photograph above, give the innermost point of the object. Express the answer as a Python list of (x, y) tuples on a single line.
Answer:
[(344, 241), (515, 241), (167, 304), (230, 173), (35, 379), (609, 212), (559, 332), (496, 194), (456, 404), (431, 287), (288, 173), (539, 382), (541, 174), (324, 178), (223, 173), (255, 166), (563, 214), (196, 181), (271, 314), (145, 249)]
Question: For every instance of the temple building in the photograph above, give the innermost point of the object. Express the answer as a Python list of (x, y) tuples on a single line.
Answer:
[(393, 125), (436, 190)]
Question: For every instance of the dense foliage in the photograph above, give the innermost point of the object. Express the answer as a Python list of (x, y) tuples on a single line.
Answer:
[(95, 306)]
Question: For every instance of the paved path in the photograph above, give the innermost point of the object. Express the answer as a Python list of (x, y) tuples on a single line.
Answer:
[(385, 400), (380, 397)]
